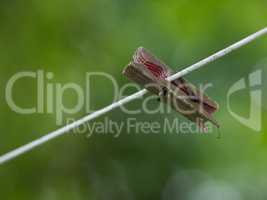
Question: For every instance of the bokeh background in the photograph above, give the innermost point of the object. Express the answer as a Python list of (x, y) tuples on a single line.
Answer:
[(72, 37)]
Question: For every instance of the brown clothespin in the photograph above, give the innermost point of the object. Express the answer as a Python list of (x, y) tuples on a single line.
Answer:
[(148, 71)]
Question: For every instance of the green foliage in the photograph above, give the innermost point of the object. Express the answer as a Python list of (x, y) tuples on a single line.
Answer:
[(72, 37)]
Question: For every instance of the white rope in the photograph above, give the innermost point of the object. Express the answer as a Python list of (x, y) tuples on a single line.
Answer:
[(26, 148)]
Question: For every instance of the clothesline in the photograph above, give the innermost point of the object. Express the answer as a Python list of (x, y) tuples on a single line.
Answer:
[(38, 142)]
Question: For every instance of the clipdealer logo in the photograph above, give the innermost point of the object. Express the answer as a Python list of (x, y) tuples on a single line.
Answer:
[(50, 96), (254, 120)]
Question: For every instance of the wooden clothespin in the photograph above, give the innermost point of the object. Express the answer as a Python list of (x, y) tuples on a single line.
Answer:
[(148, 71)]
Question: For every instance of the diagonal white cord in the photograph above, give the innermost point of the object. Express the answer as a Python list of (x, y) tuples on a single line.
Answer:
[(25, 148)]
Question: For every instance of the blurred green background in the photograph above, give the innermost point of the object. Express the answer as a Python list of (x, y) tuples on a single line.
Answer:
[(70, 38)]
